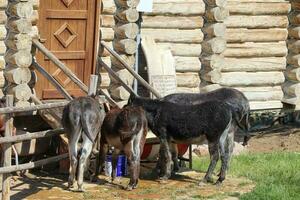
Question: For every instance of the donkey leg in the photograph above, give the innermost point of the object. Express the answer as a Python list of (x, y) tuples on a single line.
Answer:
[(229, 147), (114, 161), (100, 159), (213, 148), (87, 147), (174, 153), (224, 156), (73, 156), (165, 153), (130, 154)]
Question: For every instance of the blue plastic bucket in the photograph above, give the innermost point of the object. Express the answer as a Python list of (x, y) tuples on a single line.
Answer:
[(121, 165)]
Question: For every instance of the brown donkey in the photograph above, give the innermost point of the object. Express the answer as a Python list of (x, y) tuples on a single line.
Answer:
[(126, 130)]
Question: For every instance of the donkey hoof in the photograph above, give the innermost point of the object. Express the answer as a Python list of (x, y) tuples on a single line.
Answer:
[(80, 189), (129, 187), (218, 184)]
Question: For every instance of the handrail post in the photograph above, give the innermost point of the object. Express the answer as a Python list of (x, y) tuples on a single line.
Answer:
[(7, 149)]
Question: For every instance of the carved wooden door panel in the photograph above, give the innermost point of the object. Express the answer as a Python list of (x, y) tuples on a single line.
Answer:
[(67, 28)]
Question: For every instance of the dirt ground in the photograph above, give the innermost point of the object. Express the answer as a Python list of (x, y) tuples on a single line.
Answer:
[(42, 185)]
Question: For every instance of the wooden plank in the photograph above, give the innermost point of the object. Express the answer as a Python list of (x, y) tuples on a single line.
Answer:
[(30, 136), (70, 14), (34, 164), (73, 55)]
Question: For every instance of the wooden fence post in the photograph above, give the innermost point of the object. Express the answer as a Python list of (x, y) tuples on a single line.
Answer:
[(7, 150)]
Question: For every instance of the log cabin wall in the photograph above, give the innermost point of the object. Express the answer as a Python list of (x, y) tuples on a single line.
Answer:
[(174, 24), (291, 87), (255, 58), (19, 78)]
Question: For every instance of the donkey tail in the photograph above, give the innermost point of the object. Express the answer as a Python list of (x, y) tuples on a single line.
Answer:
[(86, 128), (244, 125)]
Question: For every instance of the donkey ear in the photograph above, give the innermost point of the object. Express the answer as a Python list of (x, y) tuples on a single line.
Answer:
[(131, 98)]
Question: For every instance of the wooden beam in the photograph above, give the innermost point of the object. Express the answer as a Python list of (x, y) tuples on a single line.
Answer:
[(60, 65), (9, 110), (7, 150), (54, 82), (30, 136), (32, 165), (126, 66)]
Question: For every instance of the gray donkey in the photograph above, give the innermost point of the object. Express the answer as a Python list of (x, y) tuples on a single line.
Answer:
[(233, 97), (82, 119), (190, 124)]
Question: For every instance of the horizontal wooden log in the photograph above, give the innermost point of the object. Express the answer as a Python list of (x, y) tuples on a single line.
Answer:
[(294, 32), (212, 62), (17, 75), (214, 46), (187, 90), (212, 76), (256, 35), (2, 32), (11, 110), (254, 64), (294, 18), (2, 79), (182, 22), (174, 35), (2, 48), (258, 1), (251, 78), (117, 92), (293, 59), (292, 74), (187, 64), (180, 8), (264, 105), (33, 17), (262, 8), (129, 59), (127, 15), (264, 95), (125, 46), (251, 49), (33, 164), (215, 3), (107, 34), (295, 5), (214, 30), (2, 63), (291, 88), (124, 75), (19, 25), (208, 87), (128, 30), (292, 101), (30, 136), (127, 3), (263, 21), (259, 89), (18, 41), (188, 79), (3, 4), (20, 92), (105, 80), (180, 49), (294, 46), (20, 9), (216, 14), (22, 58)]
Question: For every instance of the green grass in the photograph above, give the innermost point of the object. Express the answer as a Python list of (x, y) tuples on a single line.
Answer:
[(276, 175)]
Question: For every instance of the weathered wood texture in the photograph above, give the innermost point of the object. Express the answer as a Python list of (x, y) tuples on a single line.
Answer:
[(292, 73)]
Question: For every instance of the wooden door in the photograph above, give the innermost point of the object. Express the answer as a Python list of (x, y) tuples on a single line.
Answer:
[(68, 28)]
